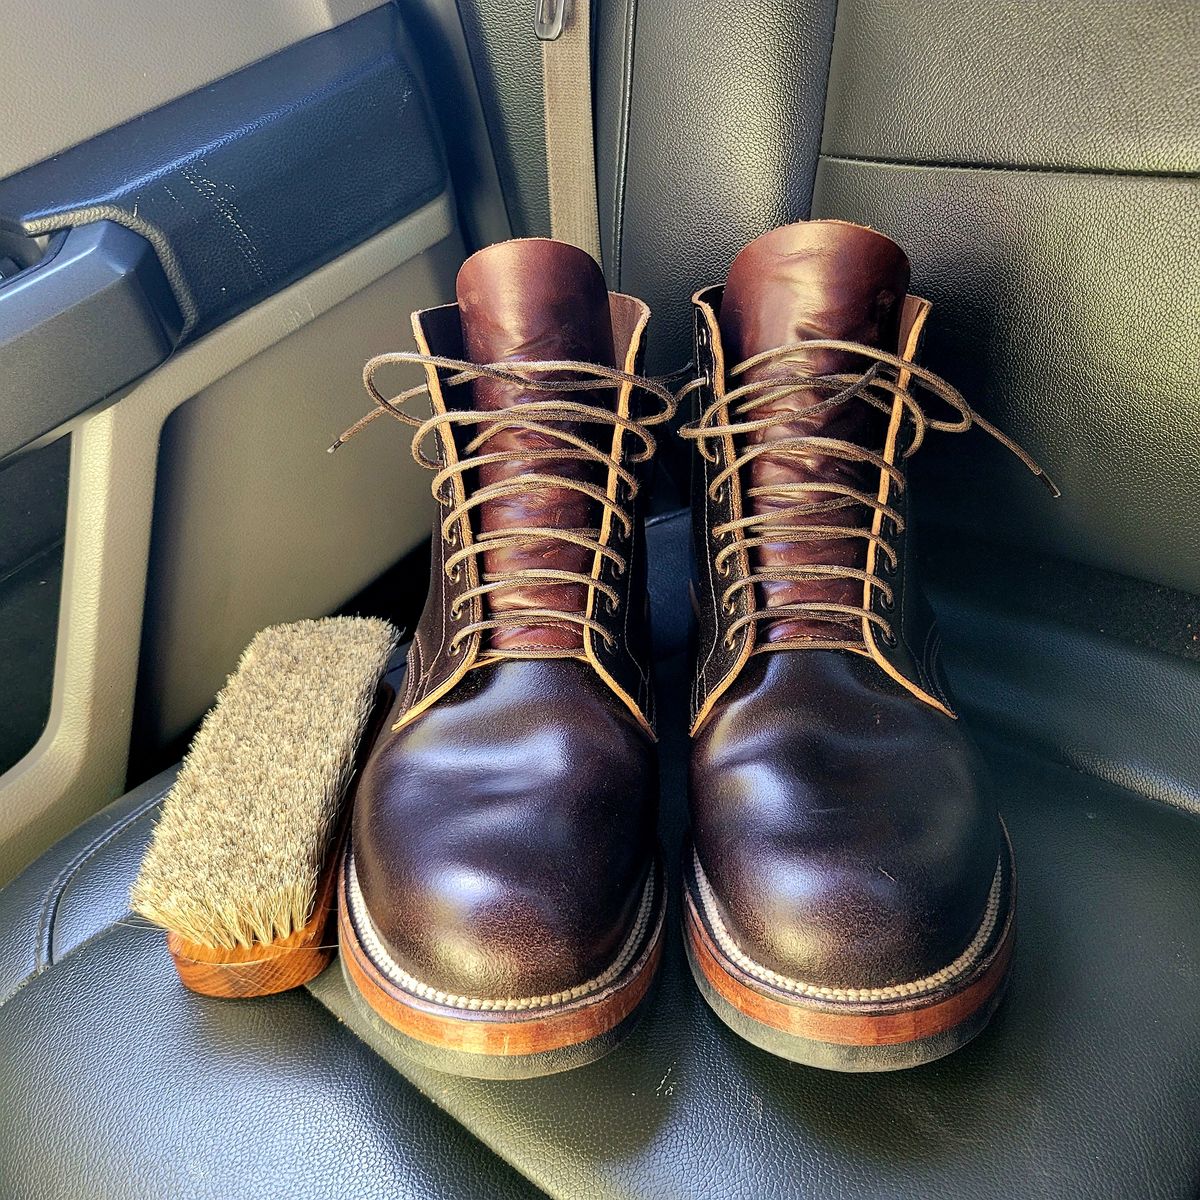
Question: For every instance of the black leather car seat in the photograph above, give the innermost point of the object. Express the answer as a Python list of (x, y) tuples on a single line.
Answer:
[(1040, 162)]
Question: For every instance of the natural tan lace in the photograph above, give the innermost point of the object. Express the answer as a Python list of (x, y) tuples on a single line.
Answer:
[(877, 386), (538, 417)]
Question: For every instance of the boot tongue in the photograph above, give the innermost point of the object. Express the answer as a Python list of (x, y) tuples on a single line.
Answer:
[(522, 301), (814, 279)]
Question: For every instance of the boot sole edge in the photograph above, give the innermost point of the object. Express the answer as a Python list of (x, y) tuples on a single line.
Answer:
[(853, 1036), (516, 1045)]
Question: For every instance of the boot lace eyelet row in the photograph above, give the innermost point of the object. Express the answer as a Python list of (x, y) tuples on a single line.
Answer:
[(731, 416), (549, 420)]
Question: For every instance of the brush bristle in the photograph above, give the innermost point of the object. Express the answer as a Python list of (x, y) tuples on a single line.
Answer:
[(246, 829)]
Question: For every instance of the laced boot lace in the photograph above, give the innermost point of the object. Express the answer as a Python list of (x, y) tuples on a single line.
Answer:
[(545, 419), (789, 520)]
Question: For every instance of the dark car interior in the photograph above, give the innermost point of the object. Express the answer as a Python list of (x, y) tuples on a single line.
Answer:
[(212, 215)]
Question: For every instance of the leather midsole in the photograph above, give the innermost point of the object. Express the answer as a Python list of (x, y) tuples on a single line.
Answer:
[(857, 1022), (507, 1032)]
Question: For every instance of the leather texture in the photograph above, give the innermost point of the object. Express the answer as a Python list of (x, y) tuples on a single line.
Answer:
[(844, 824), (507, 60), (258, 1090), (173, 1094), (505, 823), (684, 1108), (708, 120), (1064, 312), (803, 281), (503, 838), (250, 183), (520, 302), (1018, 83), (847, 829)]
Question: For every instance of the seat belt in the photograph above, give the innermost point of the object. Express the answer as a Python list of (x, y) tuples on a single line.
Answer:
[(564, 28)]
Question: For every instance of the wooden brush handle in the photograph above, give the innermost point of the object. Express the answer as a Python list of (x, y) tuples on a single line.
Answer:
[(262, 970)]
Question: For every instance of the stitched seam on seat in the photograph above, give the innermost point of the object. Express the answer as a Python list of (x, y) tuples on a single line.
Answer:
[(379, 955), (620, 183), (49, 913), (959, 967), (1006, 167)]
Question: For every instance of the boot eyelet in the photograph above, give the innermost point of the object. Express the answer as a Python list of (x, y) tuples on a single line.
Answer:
[(728, 642), (723, 568), (610, 604), (719, 495), (455, 611), (727, 607), (889, 639), (452, 536), (455, 649), (454, 573), (886, 602)]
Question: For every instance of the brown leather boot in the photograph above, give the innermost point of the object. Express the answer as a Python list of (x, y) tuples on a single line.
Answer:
[(502, 902), (850, 885)]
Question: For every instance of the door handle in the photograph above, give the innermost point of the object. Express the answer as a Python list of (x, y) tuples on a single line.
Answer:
[(92, 315)]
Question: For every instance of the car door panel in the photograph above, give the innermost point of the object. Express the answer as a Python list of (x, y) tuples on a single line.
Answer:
[(299, 208)]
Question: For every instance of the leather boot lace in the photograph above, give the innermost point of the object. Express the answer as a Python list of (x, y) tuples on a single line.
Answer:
[(544, 419), (801, 500)]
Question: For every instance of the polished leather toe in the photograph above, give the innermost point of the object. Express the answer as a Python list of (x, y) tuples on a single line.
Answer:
[(841, 826), (502, 840)]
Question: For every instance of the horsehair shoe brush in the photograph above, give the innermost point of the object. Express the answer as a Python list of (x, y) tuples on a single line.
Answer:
[(240, 871)]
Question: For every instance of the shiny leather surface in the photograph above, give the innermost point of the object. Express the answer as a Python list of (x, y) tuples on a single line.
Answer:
[(815, 279), (842, 822), (502, 839), (1101, 1007), (1083, 1087), (519, 302), (846, 828), (503, 835)]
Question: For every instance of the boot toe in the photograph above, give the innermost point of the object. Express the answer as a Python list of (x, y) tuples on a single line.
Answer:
[(495, 856)]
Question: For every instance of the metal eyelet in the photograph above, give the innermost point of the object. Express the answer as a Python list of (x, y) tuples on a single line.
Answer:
[(728, 642), (454, 573), (455, 611), (889, 639), (728, 608), (724, 569), (455, 649), (886, 602)]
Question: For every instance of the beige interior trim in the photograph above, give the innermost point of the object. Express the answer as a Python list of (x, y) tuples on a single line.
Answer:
[(79, 763), (75, 68)]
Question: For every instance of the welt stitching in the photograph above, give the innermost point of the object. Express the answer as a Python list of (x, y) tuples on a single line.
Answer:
[(1010, 168), (54, 894)]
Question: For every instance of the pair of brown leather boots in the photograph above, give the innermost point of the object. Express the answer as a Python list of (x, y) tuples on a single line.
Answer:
[(848, 887)]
